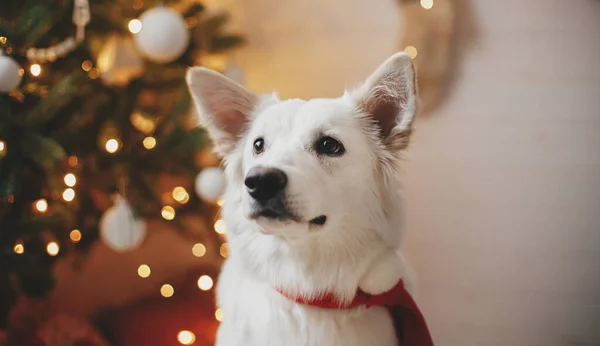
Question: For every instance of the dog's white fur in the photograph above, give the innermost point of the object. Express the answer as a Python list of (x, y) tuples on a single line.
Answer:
[(358, 244)]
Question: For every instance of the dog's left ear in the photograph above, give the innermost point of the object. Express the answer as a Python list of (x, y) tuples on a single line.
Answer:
[(224, 106), (389, 96)]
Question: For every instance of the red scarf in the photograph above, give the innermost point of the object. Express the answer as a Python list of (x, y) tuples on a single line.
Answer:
[(409, 322)]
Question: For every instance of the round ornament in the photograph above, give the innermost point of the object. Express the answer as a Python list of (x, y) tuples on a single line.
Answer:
[(10, 73), (163, 37), (119, 229), (210, 184)]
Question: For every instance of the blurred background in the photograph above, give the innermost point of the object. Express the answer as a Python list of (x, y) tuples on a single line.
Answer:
[(502, 181)]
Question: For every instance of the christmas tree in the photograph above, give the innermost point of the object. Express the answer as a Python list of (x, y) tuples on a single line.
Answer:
[(93, 110)]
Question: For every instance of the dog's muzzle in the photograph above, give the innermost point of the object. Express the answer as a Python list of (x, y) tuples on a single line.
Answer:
[(267, 186)]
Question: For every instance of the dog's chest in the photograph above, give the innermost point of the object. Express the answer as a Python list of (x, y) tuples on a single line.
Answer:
[(256, 315)]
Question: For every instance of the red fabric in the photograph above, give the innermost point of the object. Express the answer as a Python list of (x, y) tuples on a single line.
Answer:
[(409, 322)]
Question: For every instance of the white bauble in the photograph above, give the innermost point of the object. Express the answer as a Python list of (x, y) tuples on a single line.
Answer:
[(210, 184), (163, 37), (10, 73), (119, 229)]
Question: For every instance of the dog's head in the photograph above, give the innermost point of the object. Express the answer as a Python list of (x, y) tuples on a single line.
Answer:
[(308, 168)]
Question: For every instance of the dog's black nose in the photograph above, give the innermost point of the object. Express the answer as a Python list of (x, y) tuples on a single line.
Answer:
[(265, 183)]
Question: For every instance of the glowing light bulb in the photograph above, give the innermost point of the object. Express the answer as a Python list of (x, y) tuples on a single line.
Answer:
[(75, 236), (35, 70), (167, 290), (224, 250), (144, 271), (41, 205), (205, 282), (149, 142), (68, 194), (427, 4), (19, 249), (168, 213), (185, 337), (135, 26), (219, 315), (412, 51), (180, 195), (199, 250), (220, 226), (112, 145), (70, 180), (52, 248)]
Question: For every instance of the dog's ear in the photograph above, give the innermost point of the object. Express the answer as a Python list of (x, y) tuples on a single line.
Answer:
[(389, 96), (224, 106)]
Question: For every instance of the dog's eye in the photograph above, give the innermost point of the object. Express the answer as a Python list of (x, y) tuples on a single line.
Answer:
[(329, 146), (259, 145)]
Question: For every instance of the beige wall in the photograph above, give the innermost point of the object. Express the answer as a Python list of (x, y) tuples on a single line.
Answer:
[(502, 182)]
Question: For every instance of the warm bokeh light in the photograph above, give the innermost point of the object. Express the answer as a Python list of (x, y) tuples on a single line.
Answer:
[(35, 70), (94, 73), (205, 282), (41, 205), (144, 271), (86, 65), (199, 250), (73, 161), (167, 290), (52, 248), (219, 315), (412, 51), (180, 195), (19, 248), (2, 146), (220, 202), (427, 4), (224, 250), (168, 213), (112, 145), (70, 180), (221, 226), (68, 195), (134, 26), (185, 337), (75, 236), (149, 142), (3, 39)]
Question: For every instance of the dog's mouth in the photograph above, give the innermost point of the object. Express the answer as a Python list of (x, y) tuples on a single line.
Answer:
[(287, 216)]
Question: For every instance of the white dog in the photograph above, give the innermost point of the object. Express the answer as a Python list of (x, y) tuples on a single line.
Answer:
[(313, 214)]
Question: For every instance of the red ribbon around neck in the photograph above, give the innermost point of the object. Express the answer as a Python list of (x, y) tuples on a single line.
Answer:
[(411, 327)]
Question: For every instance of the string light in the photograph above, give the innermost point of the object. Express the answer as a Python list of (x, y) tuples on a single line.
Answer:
[(35, 70), (205, 282), (181, 195), (224, 250), (112, 145), (168, 213), (149, 142), (199, 250), (3, 39), (219, 315), (73, 161), (185, 337), (41, 205), (68, 195), (144, 271), (412, 51), (427, 4), (167, 290), (75, 236), (52, 248), (135, 26), (70, 180), (86, 65), (2, 148), (19, 249), (220, 226)]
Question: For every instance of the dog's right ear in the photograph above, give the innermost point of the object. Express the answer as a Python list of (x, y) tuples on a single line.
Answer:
[(224, 106)]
